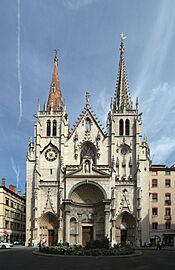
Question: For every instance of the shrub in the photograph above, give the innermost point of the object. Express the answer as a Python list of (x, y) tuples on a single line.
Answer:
[(95, 244), (91, 249)]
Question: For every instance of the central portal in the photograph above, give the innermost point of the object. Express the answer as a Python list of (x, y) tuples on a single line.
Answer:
[(87, 234)]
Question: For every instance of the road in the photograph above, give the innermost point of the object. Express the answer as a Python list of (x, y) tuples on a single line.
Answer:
[(22, 258)]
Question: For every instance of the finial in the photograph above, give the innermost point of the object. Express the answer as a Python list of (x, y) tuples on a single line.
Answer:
[(122, 38), (87, 99), (39, 109), (45, 107), (137, 105), (111, 104), (56, 56)]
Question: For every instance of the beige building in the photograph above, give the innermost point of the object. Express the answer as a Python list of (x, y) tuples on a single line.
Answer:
[(162, 205), (87, 183), (12, 214)]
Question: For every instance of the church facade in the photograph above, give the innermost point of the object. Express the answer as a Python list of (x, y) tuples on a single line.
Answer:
[(88, 183)]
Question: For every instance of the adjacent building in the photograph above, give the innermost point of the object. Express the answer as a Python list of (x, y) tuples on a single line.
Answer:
[(88, 182), (162, 204), (12, 213)]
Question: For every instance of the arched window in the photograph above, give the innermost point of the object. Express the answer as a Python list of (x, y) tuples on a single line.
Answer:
[(127, 127), (88, 124), (121, 127), (88, 150), (48, 131), (54, 131)]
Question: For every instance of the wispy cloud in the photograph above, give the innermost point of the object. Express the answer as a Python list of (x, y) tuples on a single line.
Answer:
[(158, 110), (102, 106), (76, 4), (162, 149), (158, 45), (16, 171), (19, 62)]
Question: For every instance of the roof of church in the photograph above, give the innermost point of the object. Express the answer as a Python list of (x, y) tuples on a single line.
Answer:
[(122, 100), (55, 96), (86, 110)]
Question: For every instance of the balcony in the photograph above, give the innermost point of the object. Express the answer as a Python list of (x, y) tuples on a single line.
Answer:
[(167, 202), (167, 217)]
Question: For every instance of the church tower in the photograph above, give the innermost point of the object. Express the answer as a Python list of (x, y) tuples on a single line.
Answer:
[(43, 168), (88, 183), (129, 155)]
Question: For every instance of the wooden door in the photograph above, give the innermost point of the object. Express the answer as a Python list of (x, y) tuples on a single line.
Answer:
[(87, 234), (123, 236), (50, 237)]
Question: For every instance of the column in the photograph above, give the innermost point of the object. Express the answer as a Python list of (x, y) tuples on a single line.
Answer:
[(67, 225)]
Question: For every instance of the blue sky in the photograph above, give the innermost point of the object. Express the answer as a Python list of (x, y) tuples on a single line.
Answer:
[(86, 34)]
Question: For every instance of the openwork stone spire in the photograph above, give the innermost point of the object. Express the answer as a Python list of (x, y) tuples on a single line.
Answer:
[(122, 101), (55, 96)]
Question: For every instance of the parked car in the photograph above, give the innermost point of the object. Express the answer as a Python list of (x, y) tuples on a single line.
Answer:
[(18, 242), (5, 245)]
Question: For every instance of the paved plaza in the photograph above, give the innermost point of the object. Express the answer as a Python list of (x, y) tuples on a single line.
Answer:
[(22, 258)]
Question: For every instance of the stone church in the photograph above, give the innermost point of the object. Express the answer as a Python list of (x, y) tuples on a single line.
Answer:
[(87, 183)]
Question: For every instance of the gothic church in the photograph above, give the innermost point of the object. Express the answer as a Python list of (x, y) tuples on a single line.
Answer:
[(86, 183)]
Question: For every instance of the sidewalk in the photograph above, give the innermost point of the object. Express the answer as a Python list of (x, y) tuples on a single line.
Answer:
[(154, 248)]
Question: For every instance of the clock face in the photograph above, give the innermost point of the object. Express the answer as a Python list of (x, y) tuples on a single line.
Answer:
[(51, 154)]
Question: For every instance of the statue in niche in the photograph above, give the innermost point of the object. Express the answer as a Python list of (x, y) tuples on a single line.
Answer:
[(87, 166)]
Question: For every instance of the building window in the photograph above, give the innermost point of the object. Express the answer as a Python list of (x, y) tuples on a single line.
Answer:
[(167, 182), (154, 197), (168, 211), (6, 201), (121, 127), (154, 183), (154, 225), (50, 171), (167, 172), (48, 132), (127, 127), (6, 213), (154, 211), (6, 224), (54, 132), (88, 124), (167, 199), (167, 225)]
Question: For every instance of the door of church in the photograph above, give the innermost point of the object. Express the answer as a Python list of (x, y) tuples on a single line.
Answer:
[(87, 234), (123, 236), (50, 237)]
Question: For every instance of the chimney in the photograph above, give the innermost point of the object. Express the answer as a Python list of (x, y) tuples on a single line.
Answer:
[(12, 188), (3, 182)]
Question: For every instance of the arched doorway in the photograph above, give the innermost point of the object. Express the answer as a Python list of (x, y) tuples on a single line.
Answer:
[(88, 207), (48, 228), (125, 227)]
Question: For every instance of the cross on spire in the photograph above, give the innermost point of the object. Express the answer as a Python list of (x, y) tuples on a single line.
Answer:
[(56, 55), (87, 99)]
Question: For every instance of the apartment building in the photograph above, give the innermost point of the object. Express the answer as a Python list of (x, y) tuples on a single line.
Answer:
[(12, 213), (162, 204)]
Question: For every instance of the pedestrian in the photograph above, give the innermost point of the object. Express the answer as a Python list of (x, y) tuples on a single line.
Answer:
[(158, 244)]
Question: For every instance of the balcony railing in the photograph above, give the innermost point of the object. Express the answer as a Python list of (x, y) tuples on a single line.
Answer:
[(167, 217), (168, 202)]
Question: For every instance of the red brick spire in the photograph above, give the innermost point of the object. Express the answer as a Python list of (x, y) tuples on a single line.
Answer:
[(55, 97)]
